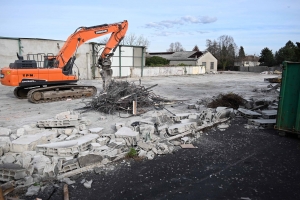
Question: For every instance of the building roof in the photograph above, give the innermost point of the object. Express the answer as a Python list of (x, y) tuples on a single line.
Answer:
[(180, 55)]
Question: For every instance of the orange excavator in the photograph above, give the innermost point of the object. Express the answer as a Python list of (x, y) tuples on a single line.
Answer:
[(45, 78)]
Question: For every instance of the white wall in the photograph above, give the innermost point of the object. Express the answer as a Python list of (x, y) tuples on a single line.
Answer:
[(168, 71), (8, 51), (208, 58)]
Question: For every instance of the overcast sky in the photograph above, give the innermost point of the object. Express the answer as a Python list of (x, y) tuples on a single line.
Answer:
[(253, 24)]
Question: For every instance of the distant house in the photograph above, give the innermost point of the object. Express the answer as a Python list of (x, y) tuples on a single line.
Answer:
[(248, 61), (191, 58)]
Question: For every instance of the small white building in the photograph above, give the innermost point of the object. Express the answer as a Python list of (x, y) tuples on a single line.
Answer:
[(248, 61), (191, 58)]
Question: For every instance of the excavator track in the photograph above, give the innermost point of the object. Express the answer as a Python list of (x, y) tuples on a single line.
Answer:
[(60, 93)]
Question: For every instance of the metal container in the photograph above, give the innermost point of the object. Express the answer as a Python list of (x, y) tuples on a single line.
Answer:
[(288, 116)]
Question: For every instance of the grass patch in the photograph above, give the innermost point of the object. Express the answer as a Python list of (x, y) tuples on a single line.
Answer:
[(132, 153)]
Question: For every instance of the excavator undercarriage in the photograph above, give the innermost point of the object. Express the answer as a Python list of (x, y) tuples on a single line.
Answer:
[(54, 93)]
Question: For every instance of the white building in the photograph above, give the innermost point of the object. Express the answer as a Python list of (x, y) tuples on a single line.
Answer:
[(191, 58)]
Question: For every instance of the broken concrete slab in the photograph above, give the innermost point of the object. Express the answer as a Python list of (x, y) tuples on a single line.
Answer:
[(265, 123), (119, 125), (179, 128), (269, 114), (8, 158), (39, 163), (4, 131), (88, 184), (150, 155), (125, 132), (89, 159), (85, 141), (52, 123), (29, 142), (65, 148), (69, 165), (248, 113), (145, 146), (33, 190), (10, 172), (67, 181)]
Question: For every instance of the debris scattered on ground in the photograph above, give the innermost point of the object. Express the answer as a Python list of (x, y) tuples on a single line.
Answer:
[(230, 100), (120, 95)]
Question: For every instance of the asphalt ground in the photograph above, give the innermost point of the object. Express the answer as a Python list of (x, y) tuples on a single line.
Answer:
[(237, 163)]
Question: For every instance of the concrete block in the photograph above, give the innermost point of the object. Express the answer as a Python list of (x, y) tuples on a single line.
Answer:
[(150, 155), (142, 153), (103, 140), (144, 146), (125, 132), (65, 148), (96, 130), (5, 139), (13, 137), (20, 132), (10, 172), (52, 123), (82, 127), (179, 128), (88, 184), (39, 163), (4, 131), (50, 171), (28, 180), (119, 125), (68, 131), (85, 141), (4, 146), (89, 160), (248, 113), (29, 142), (95, 146), (69, 165), (8, 158), (163, 119), (193, 116)]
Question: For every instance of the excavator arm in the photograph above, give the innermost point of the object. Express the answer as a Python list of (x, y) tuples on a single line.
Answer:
[(66, 56)]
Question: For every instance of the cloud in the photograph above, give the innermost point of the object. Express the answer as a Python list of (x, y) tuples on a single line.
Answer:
[(183, 20)]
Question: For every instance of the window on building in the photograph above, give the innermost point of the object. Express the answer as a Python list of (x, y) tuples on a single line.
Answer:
[(212, 65), (204, 64)]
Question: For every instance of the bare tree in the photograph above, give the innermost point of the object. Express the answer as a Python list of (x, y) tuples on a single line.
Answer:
[(224, 49), (130, 39), (175, 47), (196, 48)]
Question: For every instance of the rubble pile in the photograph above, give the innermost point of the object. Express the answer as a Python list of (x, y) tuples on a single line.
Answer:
[(65, 145), (120, 96), (261, 113)]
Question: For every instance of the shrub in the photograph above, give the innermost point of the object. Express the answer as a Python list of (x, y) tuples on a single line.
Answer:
[(156, 61)]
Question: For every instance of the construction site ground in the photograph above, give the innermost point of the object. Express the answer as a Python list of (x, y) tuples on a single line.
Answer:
[(237, 163)]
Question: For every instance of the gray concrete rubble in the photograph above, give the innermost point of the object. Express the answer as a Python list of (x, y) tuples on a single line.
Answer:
[(65, 145)]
